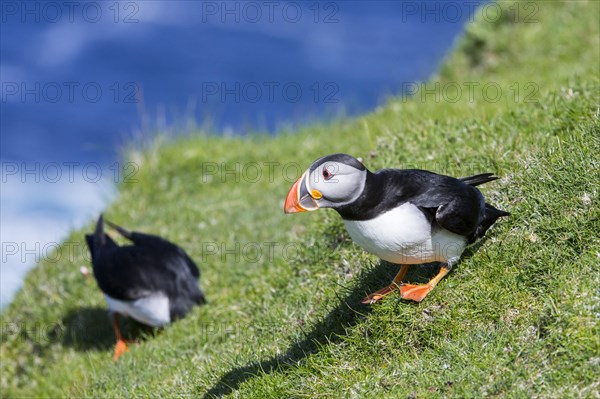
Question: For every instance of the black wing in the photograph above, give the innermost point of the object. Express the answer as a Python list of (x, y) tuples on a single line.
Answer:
[(133, 272), (153, 241), (459, 207), (455, 205)]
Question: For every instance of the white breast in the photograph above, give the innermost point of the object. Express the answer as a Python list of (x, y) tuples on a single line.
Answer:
[(403, 235), (151, 310)]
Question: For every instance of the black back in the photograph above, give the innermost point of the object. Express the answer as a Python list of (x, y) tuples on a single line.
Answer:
[(151, 265), (454, 204)]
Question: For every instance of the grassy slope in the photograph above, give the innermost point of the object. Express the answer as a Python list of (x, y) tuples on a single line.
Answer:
[(517, 317)]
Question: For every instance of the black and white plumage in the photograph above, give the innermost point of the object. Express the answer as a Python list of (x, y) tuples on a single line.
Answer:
[(402, 216), (152, 281)]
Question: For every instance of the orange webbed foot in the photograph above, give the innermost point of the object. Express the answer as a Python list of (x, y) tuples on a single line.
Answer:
[(120, 348), (415, 292), (377, 295)]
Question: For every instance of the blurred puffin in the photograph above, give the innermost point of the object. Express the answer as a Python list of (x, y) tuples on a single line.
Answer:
[(405, 217), (152, 281)]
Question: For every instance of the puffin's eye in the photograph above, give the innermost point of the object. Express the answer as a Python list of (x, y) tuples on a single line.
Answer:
[(327, 174)]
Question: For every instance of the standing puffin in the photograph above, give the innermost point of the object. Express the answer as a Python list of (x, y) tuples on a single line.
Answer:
[(405, 217), (152, 281)]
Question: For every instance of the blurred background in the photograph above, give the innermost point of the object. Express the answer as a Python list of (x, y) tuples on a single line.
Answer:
[(81, 81)]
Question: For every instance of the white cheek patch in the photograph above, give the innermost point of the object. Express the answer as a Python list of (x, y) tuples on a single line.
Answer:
[(343, 187)]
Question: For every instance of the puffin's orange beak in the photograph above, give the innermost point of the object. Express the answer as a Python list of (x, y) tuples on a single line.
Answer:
[(299, 198)]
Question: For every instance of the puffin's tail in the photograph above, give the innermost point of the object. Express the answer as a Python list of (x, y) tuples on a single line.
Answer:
[(490, 216), (479, 179), (142, 239), (98, 240), (124, 232)]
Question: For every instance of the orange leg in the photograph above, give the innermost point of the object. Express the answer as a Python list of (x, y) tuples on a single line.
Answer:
[(419, 292), (121, 345), (397, 282)]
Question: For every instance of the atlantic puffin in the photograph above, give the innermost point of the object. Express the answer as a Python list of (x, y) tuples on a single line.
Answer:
[(404, 216), (152, 281)]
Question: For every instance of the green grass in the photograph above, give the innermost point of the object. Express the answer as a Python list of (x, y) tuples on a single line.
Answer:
[(518, 317)]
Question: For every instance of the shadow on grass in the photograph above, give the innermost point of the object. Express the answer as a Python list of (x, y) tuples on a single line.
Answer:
[(346, 314), (89, 328)]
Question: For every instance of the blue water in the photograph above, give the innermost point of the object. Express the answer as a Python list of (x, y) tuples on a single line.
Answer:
[(78, 82)]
